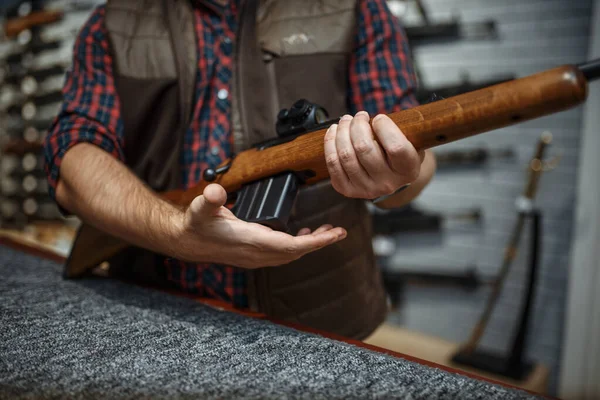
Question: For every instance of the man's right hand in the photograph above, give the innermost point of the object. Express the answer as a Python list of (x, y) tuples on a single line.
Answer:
[(209, 232)]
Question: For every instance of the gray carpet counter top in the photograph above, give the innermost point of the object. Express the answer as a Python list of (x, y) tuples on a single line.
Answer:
[(100, 338)]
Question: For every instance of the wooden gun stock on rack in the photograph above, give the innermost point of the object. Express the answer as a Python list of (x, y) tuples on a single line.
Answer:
[(17, 25), (426, 126)]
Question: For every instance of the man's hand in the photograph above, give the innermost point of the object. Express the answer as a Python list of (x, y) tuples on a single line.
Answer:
[(211, 233), (103, 192), (362, 167)]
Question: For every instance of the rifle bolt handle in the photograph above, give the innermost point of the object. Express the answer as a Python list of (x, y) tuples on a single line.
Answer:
[(210, 174)]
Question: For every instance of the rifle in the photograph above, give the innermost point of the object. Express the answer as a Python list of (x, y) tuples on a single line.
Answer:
[(396, 281), (479, 155), (411, 219), (429, 32), (15, 26), (525, 202), (264, 179), (467, 278), (513, 365)]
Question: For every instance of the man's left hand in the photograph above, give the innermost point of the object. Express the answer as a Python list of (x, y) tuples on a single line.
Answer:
[(362, 167)]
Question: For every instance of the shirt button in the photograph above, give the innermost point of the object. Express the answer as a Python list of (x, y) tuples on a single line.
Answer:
[(215, 150), (227, 47), (222, 94)]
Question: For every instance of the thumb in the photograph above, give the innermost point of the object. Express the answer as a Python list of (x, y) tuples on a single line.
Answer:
[(213, 198)]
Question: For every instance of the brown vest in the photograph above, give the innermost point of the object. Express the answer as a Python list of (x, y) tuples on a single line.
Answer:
[(305, 46)]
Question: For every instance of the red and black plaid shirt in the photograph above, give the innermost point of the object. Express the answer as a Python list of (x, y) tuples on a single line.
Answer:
[(381, 80)]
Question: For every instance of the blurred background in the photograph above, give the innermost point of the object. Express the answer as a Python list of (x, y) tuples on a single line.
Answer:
[(442, 255), (35, 51)]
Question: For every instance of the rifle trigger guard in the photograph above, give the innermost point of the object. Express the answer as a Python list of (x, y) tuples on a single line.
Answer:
[(268, 201)]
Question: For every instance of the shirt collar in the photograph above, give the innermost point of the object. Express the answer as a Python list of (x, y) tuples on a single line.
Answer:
[(217, 6)]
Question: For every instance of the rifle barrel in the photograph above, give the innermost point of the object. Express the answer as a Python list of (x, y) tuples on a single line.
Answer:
[(590, 69)]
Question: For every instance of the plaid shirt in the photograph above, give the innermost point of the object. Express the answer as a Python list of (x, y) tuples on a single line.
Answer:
[(381, 80)]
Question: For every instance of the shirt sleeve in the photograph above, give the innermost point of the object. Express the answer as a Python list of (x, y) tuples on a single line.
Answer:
[(90, 110), (382, 78)]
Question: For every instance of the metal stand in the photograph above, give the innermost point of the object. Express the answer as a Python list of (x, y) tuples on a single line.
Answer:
[(514, 365)]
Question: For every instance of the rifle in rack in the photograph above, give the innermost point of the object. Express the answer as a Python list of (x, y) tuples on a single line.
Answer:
[(17, 25), (264, 179), (411, 219)]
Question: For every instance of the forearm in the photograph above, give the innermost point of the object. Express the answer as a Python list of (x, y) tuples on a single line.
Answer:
[(104, 193), (407, 195)]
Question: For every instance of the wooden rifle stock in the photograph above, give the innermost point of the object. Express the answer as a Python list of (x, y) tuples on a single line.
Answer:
[(426, 126)]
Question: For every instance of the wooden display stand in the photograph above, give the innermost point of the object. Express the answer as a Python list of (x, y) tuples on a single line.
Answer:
[(440, 351)]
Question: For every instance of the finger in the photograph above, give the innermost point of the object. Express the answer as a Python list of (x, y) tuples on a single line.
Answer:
[(368, 151), (303, 231), (339, 179), (400, 153), (357, 176), (323, 228), (207, 204), (318, 240), (215, 195), (422, 155), (296, 246)]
